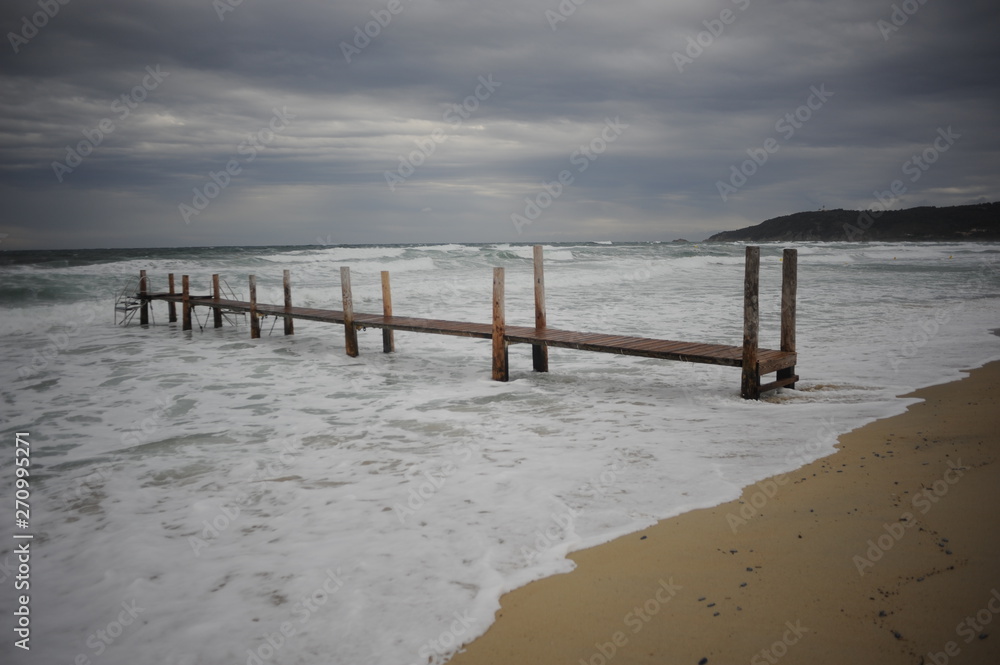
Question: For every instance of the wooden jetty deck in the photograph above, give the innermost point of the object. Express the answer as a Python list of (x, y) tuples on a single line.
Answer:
[(755, 362)]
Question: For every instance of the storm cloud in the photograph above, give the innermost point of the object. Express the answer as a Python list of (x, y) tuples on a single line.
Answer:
[(239, 122)]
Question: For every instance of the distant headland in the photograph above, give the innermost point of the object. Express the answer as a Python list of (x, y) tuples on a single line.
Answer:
[(980, 221)]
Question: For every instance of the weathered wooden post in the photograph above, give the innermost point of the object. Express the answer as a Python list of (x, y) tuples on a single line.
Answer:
[(186, 309), (750, 384), (254, 319), (143, 293), (350, 332), (289, 326), (789, 289), (539, 352), (171, 307), (388, 340), (500, 372), (216, 295)]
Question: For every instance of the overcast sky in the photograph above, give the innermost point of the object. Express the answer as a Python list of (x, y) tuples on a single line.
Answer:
[(482, 121)]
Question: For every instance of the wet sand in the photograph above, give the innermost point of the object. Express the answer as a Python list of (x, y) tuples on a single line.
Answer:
[(886, 552)]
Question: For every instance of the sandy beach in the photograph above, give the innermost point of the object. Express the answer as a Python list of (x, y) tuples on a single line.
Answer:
[(886, 552)]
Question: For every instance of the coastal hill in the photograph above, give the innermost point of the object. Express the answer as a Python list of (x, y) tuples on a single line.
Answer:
[(979, 221)]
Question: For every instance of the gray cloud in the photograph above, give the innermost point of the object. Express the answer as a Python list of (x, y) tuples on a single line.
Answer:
[(694, 103)]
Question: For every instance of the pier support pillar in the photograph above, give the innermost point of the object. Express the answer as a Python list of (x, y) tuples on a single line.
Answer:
[(388, 339), (539, 352), (287, 280), (143, 293), (750, 384), (216, 295), (500, 372), (186, 309), (171, 307), (254, 319), (789, 289), (350, 332)]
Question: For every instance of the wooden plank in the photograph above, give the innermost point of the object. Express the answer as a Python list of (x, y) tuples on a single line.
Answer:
[(706, 350), (619, 341), (637, 343), (143, 292), (678, 348), (712, 350), (305, 313), (388, 340), (734, 352), (547, 335), (637, 346), (708, 359), (750, 383), (592, 338), (789, 289), (254, 319), (350, 332), (778, 362), (673, 346), (216, 294), (500, 368), (643, 345), (409, 324), (539, 352), (171, 307), (780, 383), (186, 310)]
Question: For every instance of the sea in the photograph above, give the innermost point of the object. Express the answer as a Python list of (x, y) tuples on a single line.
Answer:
[(199, 497)]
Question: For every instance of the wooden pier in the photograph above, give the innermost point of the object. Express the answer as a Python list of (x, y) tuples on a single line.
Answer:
[(754, 361)]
